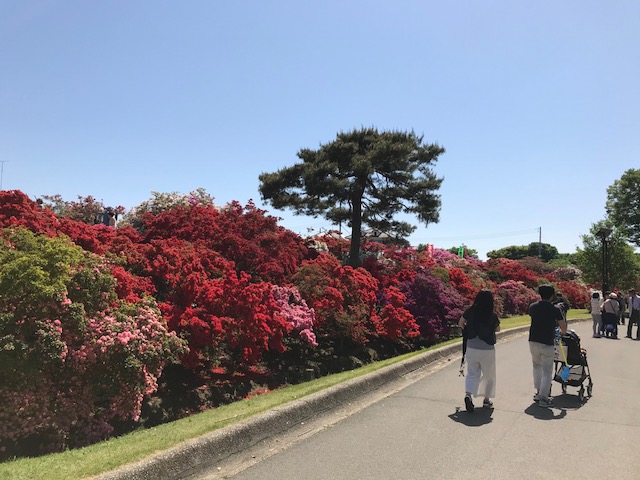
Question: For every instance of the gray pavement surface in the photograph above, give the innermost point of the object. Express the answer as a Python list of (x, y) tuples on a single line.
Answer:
[(422, 431), (410, 424)]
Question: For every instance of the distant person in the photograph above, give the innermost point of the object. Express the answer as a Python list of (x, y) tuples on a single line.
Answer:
[(545, 318), (634, 313), (610, 309), (622, 303), (479, 324), (105, 216), (109, 217), (596, 314)]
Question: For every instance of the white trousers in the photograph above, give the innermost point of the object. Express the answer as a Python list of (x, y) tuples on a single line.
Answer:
[(481, 373), (542, 358)]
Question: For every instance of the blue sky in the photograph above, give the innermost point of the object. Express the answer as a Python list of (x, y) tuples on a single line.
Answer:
[(536, 103)]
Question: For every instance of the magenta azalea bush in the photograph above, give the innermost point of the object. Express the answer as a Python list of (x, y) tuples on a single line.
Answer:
[(435, 305)]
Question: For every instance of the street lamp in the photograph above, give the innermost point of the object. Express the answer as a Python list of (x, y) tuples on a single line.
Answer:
[(603, 233)]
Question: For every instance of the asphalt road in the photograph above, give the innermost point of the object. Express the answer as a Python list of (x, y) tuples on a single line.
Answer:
[(420, 430)]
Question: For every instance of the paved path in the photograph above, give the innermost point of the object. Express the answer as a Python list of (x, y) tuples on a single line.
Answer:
[(422, 430)]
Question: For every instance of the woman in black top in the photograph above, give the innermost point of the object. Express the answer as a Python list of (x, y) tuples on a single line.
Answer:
[(480, 324)]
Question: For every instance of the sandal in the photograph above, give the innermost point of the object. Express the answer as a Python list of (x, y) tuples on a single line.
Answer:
[(486, 403)]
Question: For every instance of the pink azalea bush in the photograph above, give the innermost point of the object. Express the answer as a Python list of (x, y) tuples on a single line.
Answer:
[(515, 297), (73, 359), (296, 312)]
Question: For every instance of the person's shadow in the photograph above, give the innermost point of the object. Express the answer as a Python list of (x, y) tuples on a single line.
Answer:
[(480, 416), (546, 413)]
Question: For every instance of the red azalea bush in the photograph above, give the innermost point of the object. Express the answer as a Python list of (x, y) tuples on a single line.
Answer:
[(395, 322), (344, 298), (513, 270), (18, 210), (244, 235), (461, 283), (576, 293), (205, 299)]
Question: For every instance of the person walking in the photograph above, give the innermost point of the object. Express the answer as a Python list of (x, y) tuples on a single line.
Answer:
[(596, 314), (545, 318), (479, 324), (634, 313)]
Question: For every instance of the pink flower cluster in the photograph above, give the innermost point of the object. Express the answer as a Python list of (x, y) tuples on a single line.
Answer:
[(84, 378), (296, 311)]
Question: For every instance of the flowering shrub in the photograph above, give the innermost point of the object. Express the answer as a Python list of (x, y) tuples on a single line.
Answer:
[(343, 298), (576, 293), (161, 202), (295, 311), (395, 322), (513, 270), (536, 265), (566, 273), (461, 283), (515, 297), (244, 235), (17, 210), (72, 358), (332, 242), (435, 305), (86, 209)]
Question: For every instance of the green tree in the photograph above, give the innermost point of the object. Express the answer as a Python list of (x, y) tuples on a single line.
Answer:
[(468, 252), (363, 177), (624, 263), (623, 204), (545, 251), (513, 252)]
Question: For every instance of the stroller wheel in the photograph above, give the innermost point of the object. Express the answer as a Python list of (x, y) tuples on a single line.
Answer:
[(564, 388), (590, 390), (581, 394)]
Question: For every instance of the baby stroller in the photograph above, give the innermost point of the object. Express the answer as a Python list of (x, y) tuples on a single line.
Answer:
[(571, 366)]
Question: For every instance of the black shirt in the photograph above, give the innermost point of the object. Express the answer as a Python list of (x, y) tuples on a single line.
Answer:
[(544, 320), (476, 327)]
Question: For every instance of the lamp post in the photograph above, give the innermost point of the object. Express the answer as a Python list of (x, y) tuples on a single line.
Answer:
[(603, 234)]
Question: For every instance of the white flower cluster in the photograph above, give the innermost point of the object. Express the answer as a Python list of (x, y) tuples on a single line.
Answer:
[(160, 202)]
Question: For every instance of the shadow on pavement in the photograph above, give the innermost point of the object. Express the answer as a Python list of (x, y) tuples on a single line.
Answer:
[(481, 416), (567, 401), (546, 413)]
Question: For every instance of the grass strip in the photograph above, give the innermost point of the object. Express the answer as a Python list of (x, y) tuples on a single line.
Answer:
[(110, 454)]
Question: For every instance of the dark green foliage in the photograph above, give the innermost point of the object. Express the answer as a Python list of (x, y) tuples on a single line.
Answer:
[(623, 204), (545, 251), (363, 178), (624, 264)]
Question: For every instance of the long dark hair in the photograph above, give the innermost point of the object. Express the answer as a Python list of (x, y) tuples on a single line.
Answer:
[(483, 306)]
